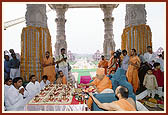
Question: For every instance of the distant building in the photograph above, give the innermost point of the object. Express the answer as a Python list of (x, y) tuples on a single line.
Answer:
[(97, 55), (70, 55)]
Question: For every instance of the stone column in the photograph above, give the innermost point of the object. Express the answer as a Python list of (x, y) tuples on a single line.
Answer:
[(35, 41), (36, 15), (136, 33), (60, 20), (135, 15), (109, 43)]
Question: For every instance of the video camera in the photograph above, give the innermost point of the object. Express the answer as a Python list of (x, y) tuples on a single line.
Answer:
[(117, 53)]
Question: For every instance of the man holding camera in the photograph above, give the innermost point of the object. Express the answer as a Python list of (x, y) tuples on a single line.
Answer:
[(62, 63)]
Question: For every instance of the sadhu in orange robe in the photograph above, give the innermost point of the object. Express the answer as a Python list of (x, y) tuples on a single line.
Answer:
[(49, 70), (103, 64), (132, 72), (61, 80), (101, 85), (125, 105), (114, 64)]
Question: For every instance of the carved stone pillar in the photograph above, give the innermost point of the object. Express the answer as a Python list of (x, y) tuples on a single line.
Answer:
[(36, 15), (135, 14), (136, 33), (109, 43), (35, 41), (60, 20)]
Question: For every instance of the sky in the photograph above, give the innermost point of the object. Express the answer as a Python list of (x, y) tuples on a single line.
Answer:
[(84, 28)]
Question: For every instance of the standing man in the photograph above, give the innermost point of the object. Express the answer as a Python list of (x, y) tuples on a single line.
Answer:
[(62, 63), (13, 52), (132, 72), (14, 96), (161, 61), (149, 56), (112, 63), (14, 64), (6, 67), (103, 64), (125, 60), (49, 67)]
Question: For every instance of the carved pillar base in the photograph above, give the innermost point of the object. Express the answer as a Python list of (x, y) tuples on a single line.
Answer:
[(108, 45)]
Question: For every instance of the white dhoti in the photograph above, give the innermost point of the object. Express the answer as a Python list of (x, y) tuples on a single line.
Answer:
[(14, 73), (159, 91), (65, 72), (149, 91)]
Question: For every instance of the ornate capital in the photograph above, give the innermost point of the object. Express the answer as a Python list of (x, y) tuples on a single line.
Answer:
[(135, 14), (107, 9), (36, 15), (60, 9)]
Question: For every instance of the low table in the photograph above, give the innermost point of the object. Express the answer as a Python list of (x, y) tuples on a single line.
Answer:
[(74, 105)]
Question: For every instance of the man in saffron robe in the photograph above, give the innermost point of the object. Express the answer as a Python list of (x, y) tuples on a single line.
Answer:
[(103, 64), (132, 72), (49, 67), (112, 63), (123, 104), (61, 78), (101, 82)]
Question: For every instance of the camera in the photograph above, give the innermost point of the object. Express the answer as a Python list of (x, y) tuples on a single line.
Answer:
[(117, 53)]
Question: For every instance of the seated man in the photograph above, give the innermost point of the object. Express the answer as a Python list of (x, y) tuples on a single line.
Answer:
[(44, 82), (8, 84), (101, 82), (123, 104), (61, 78), (14, 96), (33, 87)]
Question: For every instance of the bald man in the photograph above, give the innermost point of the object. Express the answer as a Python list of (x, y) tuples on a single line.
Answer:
[(123, 104), (101, 82)]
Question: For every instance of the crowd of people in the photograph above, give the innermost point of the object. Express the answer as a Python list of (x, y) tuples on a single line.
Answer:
[(58, 71), (54, 71), (152, 77), (133, 64)]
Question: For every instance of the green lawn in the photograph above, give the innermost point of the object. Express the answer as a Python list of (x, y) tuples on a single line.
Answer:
[(83, 72), (95, 62)]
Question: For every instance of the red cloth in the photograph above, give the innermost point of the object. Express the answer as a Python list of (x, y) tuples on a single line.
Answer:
[(159, 77), (74, 101)]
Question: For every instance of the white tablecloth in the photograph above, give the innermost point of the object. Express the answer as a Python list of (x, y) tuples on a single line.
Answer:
[(76, 107)]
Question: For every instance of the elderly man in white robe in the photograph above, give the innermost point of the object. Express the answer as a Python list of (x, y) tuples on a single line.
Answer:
[(15, 100), (149, 56), (44, 82), (33, 87)]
